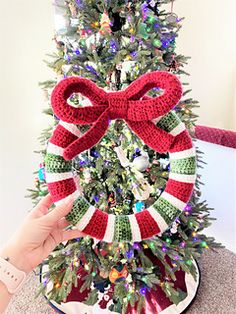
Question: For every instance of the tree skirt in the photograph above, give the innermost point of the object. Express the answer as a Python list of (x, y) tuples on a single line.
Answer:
[(156, 300)]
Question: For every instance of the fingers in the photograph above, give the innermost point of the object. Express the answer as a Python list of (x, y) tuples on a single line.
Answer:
[(59, 211), (71, 234), (63, 223), (42, 207)]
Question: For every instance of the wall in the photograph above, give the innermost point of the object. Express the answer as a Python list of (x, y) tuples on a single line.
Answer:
[(26, 36), (208, 36), (26, 29)]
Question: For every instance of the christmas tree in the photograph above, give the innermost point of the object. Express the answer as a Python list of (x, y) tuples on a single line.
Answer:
[(113, 43)]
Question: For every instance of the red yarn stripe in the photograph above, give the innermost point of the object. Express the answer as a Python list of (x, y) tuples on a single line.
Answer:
[(181, 142), (62, 137), (180, 190), (61, 189), (97, 225), (147, 225)]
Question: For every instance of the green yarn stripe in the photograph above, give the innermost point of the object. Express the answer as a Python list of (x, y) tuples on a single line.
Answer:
[(169, 122), (167, 211), (79, 209), (122, 229), (183, 166), (57, 164)]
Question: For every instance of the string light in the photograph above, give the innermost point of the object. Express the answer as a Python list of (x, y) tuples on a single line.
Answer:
[(143, 290), (164, 249)]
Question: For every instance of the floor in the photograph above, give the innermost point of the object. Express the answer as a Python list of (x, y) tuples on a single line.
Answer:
[(216, 293)]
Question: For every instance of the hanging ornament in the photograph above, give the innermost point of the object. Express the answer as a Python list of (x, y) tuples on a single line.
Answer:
[(142, 31), (41, 172), (142, 190), (73, 9), (87, 175), (104, 273), (172, 18), (105, 23), (139, 207), (118, 273), (121, 156), (111, 200), (76, 262), (157, 43), (141, 163), (174, 227)]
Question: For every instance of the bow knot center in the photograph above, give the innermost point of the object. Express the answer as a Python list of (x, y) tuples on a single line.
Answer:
[(118, 105)]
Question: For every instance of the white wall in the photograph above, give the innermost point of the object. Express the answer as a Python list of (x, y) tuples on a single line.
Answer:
[(26, 30), (208, 36)]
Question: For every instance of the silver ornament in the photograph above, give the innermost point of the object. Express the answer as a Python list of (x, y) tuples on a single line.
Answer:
[(141, 163)]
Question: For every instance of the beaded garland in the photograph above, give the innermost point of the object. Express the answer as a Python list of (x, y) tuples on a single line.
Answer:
[(152, 120)]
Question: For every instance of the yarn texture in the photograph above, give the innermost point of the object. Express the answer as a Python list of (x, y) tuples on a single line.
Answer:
[(152, 120)]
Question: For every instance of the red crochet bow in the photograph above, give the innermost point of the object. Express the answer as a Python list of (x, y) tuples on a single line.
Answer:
[(130, 104)]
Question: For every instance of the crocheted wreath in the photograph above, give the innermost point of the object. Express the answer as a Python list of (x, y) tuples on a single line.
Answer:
[(152, 120)]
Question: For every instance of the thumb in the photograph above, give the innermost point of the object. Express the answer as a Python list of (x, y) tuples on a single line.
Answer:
[(60, 211)]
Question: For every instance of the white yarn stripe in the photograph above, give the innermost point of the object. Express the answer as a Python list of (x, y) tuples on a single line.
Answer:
[(183, 154), (74, 195), (178, 129), (187, 178), (136, 235), (158, 219), (71, 128), (109, 234), (173, 200), (54, 177), (54, 149), (84, 221), (157, 119)]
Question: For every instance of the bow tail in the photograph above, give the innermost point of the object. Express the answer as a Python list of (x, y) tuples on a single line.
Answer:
[(154, 137), (89, 139)]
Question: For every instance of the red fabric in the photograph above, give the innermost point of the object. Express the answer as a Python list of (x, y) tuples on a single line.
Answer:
[(182, 141), (61, 189), (217, 136), (129, 104), (97, 225), (181, 190), (148, 226), (62, 137)]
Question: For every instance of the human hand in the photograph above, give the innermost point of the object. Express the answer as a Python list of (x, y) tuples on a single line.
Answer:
[(39, 234)]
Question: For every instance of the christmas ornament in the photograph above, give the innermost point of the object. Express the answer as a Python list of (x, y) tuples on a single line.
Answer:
[(87, 175), (118, 273), (142, 190), (41, 172), (171, 18), (174, 228), (111, 200), (141, 163), (142, 31), (139, 206), (165, 135), (105, 23)]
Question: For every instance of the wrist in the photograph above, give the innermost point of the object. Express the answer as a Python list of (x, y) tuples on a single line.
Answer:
[(15, 257)]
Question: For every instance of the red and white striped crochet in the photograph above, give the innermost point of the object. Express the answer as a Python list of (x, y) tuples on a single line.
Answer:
[(152, 120)]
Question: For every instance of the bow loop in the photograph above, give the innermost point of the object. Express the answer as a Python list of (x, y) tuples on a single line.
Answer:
[(131, 104)]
